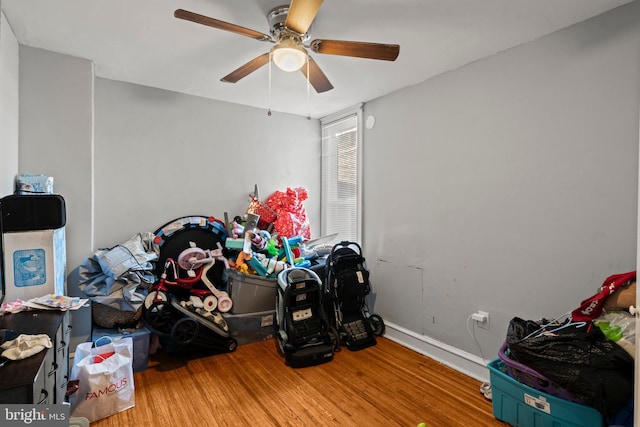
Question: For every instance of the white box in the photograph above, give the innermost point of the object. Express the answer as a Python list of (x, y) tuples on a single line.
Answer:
[(35, 263), (34, 184)]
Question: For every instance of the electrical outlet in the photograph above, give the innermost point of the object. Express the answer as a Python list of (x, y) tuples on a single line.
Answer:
[(481, 318)]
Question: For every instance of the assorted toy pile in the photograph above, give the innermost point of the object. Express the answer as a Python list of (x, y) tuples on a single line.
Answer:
[(201, 257), (197, 281)]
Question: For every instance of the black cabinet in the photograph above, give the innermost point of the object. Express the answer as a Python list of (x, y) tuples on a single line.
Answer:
[(41, 378)]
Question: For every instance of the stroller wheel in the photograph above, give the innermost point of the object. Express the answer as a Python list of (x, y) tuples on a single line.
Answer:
[(185, 331), (279, 345), (377, 324), (335, 339), (158, 316), (232, 345)]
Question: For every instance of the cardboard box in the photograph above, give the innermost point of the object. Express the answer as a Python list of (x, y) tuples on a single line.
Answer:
[(35, 263), (34, 184)]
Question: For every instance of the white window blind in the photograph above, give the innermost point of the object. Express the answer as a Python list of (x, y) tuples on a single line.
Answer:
[(340, 178)]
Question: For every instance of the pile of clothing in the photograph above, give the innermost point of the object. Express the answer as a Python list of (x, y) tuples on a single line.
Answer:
[(117, 280), (590, 354)]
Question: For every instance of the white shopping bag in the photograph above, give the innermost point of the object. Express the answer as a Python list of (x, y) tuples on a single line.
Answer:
[(105, 379)]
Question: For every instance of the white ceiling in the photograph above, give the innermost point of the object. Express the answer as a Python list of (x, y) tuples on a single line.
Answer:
[(139, 41)]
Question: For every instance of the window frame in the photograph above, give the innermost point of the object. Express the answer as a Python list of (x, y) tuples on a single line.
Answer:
[(356, 110)]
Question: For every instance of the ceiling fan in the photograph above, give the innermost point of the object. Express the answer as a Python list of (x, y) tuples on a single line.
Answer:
[(289, 25)]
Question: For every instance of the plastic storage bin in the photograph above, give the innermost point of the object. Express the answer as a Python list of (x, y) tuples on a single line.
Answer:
[(251, 293), (523, 406), (251, 327), (140, 337)]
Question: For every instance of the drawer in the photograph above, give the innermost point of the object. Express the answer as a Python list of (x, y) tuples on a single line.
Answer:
[(63, 335), (66, 328), (62, 352), (61, 387), (51, 369), (40, 393), (44, 383), (61, 376)]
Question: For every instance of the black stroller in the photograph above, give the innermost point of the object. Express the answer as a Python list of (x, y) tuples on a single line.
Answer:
[(345, 297), (304, 336)]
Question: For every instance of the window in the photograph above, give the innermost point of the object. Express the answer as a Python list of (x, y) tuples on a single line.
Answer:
[(341, 175)]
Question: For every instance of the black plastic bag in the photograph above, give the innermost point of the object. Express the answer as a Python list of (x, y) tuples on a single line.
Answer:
[(576, 356)]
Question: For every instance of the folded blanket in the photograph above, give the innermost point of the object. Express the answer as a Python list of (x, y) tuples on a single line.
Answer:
[(25, 345)]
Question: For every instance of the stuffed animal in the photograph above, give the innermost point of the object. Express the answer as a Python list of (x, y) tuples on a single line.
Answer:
[(622, 298)]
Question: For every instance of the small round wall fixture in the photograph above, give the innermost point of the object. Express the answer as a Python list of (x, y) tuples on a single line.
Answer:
[(370, 122)]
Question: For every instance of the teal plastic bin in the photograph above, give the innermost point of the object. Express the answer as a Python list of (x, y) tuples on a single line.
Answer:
[(523, 406)]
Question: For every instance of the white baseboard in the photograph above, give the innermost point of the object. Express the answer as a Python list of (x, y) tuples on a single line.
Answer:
[(467, 363)]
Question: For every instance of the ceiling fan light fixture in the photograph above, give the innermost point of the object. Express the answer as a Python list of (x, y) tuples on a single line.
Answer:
[(289, 30), (288, 55)]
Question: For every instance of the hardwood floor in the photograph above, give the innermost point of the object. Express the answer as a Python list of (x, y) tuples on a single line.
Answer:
[(384, 385)]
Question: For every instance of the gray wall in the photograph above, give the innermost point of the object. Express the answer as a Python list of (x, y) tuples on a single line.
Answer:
[(9, 80), (509, 185), (56, 139), (160, 155), (56, 135)]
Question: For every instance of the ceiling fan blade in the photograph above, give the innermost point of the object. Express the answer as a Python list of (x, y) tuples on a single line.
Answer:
[(246, 69), (317, 78), (301, 14), (221, 25), (385, 52)]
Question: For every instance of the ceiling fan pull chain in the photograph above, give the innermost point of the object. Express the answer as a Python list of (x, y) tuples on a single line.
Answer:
[(308, 92), (269, 103)]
